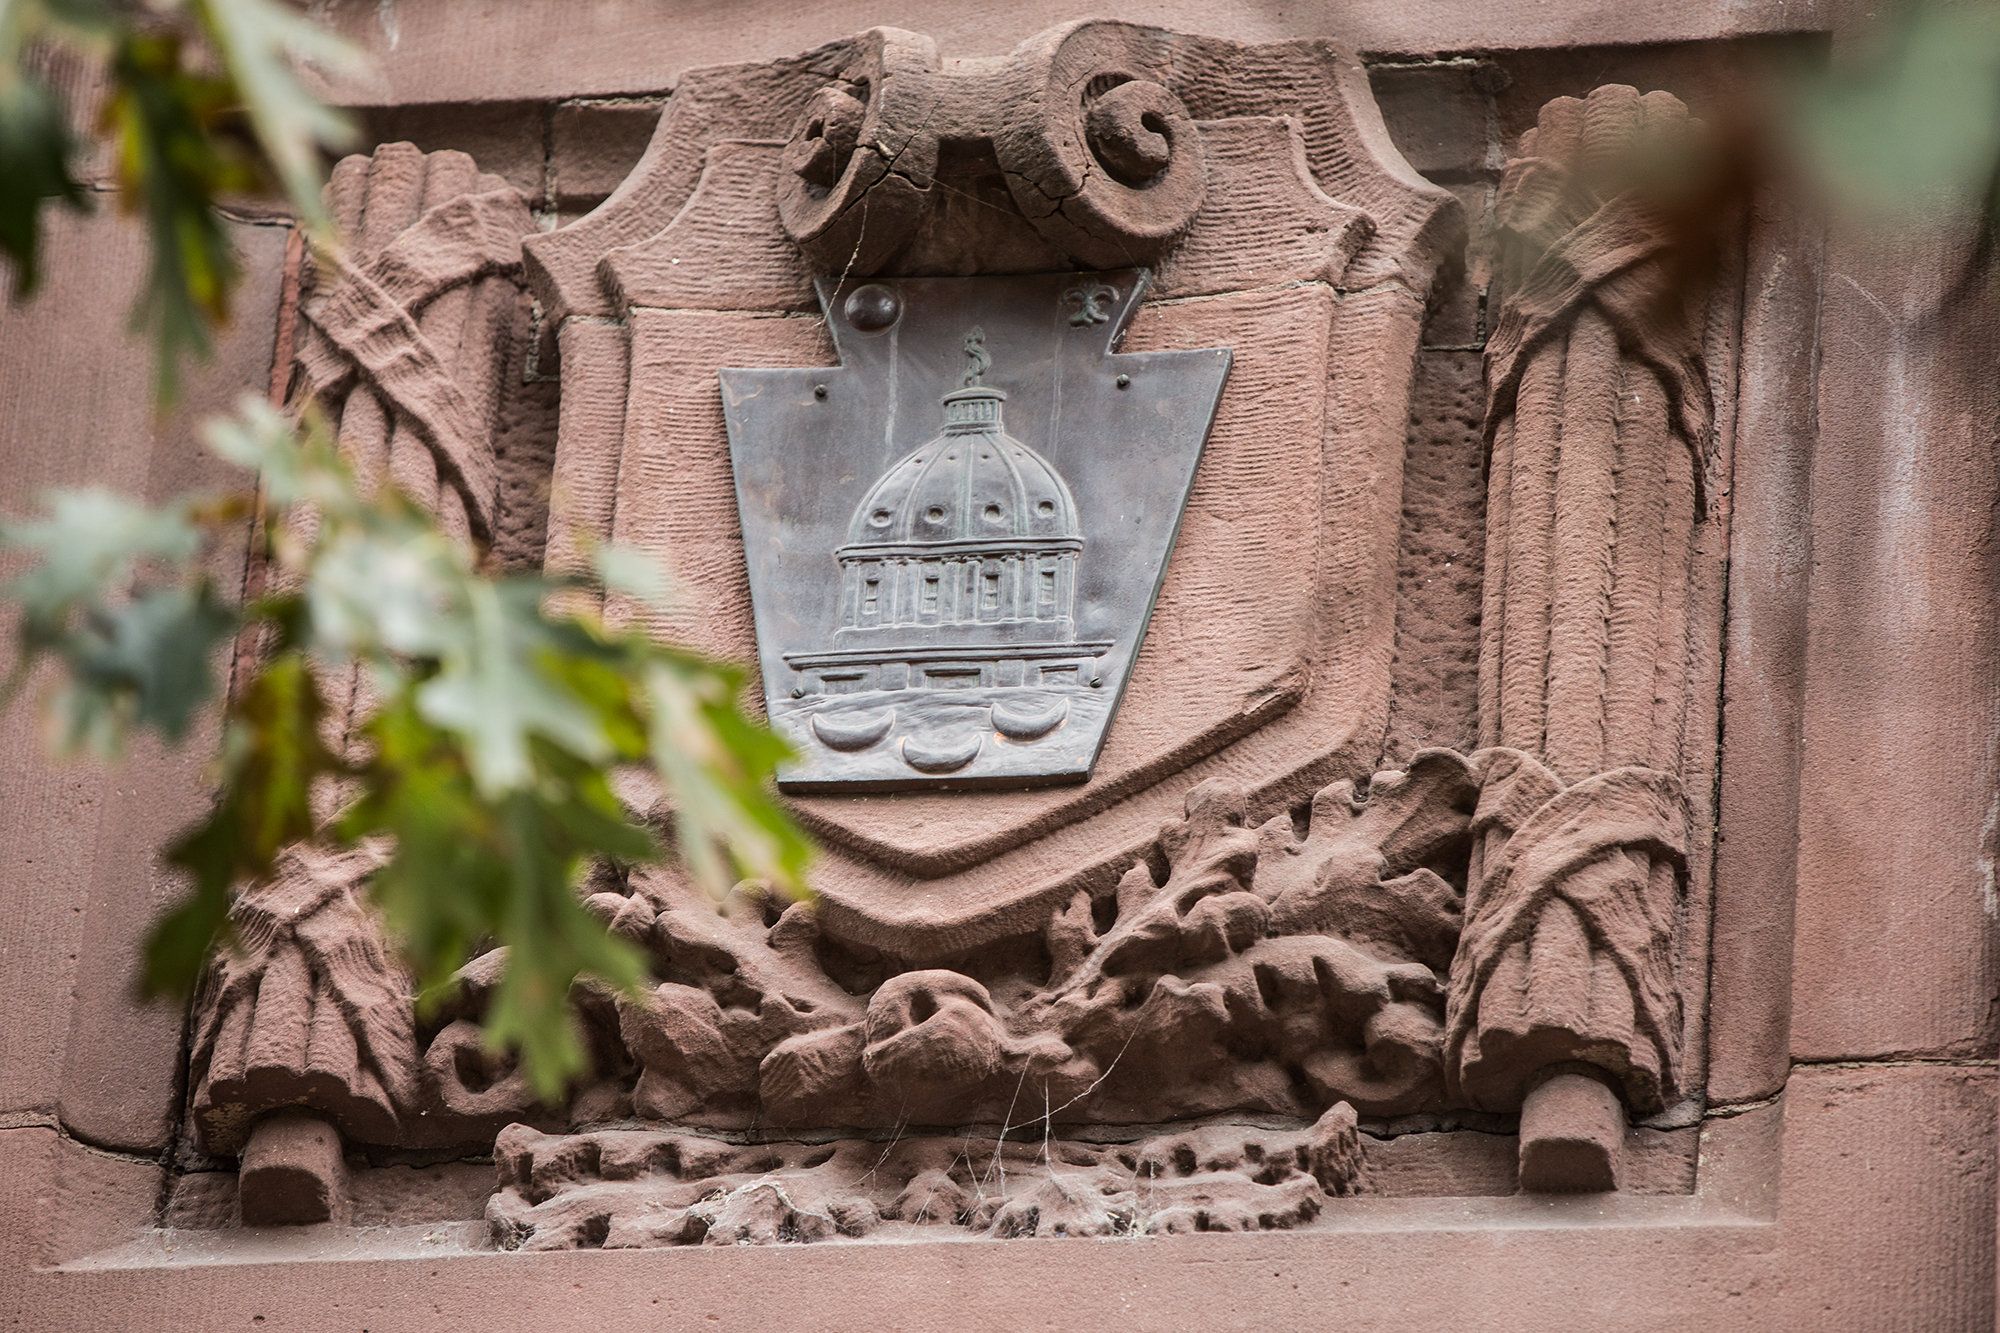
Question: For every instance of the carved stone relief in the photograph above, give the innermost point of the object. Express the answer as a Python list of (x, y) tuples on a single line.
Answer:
[(1184, 989), (1314, 275), (305, 1032), (637, 1189), (1599, 423)]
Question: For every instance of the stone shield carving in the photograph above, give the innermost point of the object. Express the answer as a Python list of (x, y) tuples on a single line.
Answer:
[(1307, 249), (955, 537)]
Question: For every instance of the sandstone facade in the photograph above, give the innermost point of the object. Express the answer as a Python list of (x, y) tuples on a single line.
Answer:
[(1538, 871)]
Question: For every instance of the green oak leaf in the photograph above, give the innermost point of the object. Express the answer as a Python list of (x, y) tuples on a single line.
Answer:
[(158, 650), (36, 147), (87, 546), (274, 754), (495, 690), (1915, 119)]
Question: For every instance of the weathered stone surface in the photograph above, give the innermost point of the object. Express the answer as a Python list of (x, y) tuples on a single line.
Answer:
[(593, 146), (1602, 569), (1440, 114), (77, 842), (410, 341), (1903, 1231), (1267, 967), (310, 1011), (1434, 697), (1757, 848), (1900, 677), (428, 53), (505, 138), (64, 1201), (714, 253)]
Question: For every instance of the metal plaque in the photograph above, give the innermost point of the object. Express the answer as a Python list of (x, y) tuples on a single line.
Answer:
[(955, 537)]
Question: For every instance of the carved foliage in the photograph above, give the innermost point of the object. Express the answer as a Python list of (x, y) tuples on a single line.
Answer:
[(636, 1189), (1270, 968)]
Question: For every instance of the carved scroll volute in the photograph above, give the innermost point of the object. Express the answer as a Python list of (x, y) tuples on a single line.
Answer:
[(1097, 150), (1100, 155), (860, 160), (1598, 424)]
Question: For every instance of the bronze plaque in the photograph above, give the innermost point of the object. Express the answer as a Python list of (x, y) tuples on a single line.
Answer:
[(955, 537)]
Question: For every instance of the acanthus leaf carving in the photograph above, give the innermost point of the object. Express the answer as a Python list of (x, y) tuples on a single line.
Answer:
[(1271, 969)]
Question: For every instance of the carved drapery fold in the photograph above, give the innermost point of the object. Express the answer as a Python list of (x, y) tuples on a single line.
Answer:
[(1598, 426)]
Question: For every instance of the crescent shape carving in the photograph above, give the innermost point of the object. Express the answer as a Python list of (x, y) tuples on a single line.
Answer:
[(1027, 721), (853, 731), (946, 756)]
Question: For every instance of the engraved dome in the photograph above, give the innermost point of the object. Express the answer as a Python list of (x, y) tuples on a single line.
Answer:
[(970, 485)]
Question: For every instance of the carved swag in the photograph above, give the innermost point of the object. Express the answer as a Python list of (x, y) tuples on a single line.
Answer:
[(1304, 943)]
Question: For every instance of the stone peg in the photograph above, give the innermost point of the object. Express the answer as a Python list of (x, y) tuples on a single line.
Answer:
[(1097, 149), (1572, 1127), (1598, 417), (292, 1172)]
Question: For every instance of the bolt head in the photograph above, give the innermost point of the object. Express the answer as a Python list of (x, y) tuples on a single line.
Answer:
[(872, 307)]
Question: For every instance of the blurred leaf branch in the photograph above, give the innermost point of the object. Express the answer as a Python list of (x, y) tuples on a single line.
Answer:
[(203, 101), (481, 766), (479, 763), (1908, 121)]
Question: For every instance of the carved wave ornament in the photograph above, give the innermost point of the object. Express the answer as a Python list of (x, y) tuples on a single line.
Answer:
[(957, 528)]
